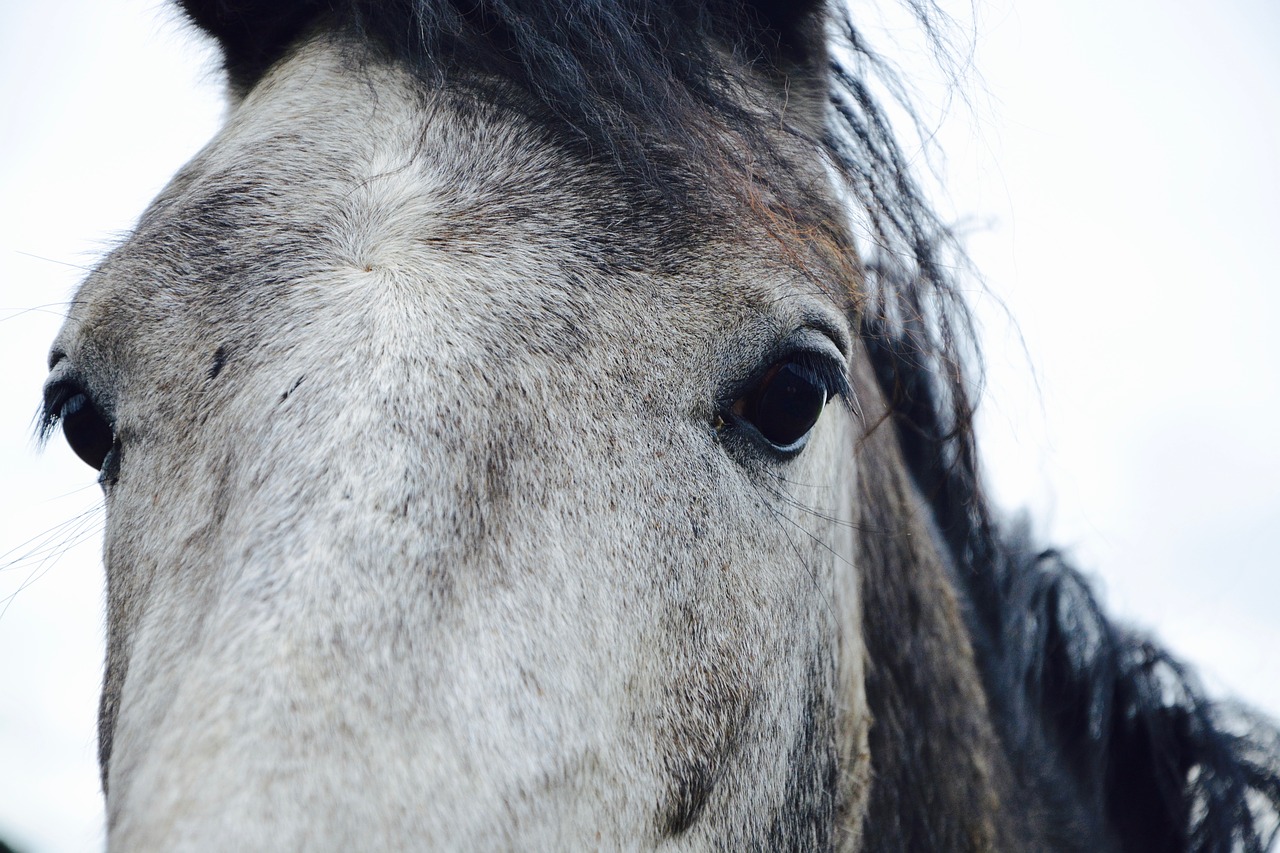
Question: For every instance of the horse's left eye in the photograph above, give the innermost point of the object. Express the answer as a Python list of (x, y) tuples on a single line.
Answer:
[(86, 430), (785, 403)]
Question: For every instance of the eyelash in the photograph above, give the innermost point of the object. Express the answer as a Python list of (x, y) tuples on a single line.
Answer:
[(50, 413)]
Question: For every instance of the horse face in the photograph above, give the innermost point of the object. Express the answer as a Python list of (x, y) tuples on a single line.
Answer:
[(452, 501)]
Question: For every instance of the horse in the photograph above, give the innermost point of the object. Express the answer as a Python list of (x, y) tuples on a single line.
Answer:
[(550, 426)]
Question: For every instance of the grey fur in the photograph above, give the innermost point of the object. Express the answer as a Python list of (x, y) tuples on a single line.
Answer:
[(423, 532)]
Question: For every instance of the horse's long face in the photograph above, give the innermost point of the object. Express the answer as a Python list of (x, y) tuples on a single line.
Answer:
[(454, 502)]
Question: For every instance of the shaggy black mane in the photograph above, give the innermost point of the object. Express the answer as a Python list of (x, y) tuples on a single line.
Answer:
[(1163, 766), (1157, 761)]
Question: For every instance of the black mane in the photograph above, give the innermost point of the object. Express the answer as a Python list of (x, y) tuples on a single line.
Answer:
[(1161, 765), (1152, 757)]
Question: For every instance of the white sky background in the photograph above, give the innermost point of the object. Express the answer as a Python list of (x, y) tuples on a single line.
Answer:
[(1121, 159)]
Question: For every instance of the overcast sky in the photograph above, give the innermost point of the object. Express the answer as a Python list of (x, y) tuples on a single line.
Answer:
[(1118, 164)]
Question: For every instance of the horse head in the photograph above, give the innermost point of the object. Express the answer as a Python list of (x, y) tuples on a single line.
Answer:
[(505, 445)]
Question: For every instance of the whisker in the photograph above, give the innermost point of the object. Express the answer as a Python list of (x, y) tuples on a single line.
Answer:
[(825, 546), (809, 569), (53, 261), (77, 490), (35, 545), (43, 552), (856, 526), (56, 309)]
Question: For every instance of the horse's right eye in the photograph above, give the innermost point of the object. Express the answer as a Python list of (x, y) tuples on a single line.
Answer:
[(785, 403), (86, 430)]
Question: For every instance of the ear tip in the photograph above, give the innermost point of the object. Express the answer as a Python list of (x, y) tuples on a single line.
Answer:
[(251, 34), (794, 26), (785, 15)]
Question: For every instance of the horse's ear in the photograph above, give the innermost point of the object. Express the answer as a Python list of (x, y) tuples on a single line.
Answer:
[(795, 25), (255, 34), (252, 35), (790, 36)]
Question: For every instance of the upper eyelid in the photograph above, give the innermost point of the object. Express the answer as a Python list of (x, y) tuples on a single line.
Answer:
[(61, 385), (821, 324), (803, 345), (61, 377), (807, 343)]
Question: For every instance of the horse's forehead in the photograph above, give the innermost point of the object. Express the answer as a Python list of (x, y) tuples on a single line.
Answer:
[(334, 171), (373, 171)]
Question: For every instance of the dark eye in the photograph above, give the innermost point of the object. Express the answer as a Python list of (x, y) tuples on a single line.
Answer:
[(88, 433), (786, 402)]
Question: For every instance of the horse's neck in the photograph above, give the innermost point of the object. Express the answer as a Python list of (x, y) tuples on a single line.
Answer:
[(943, 777), (938, 776)]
